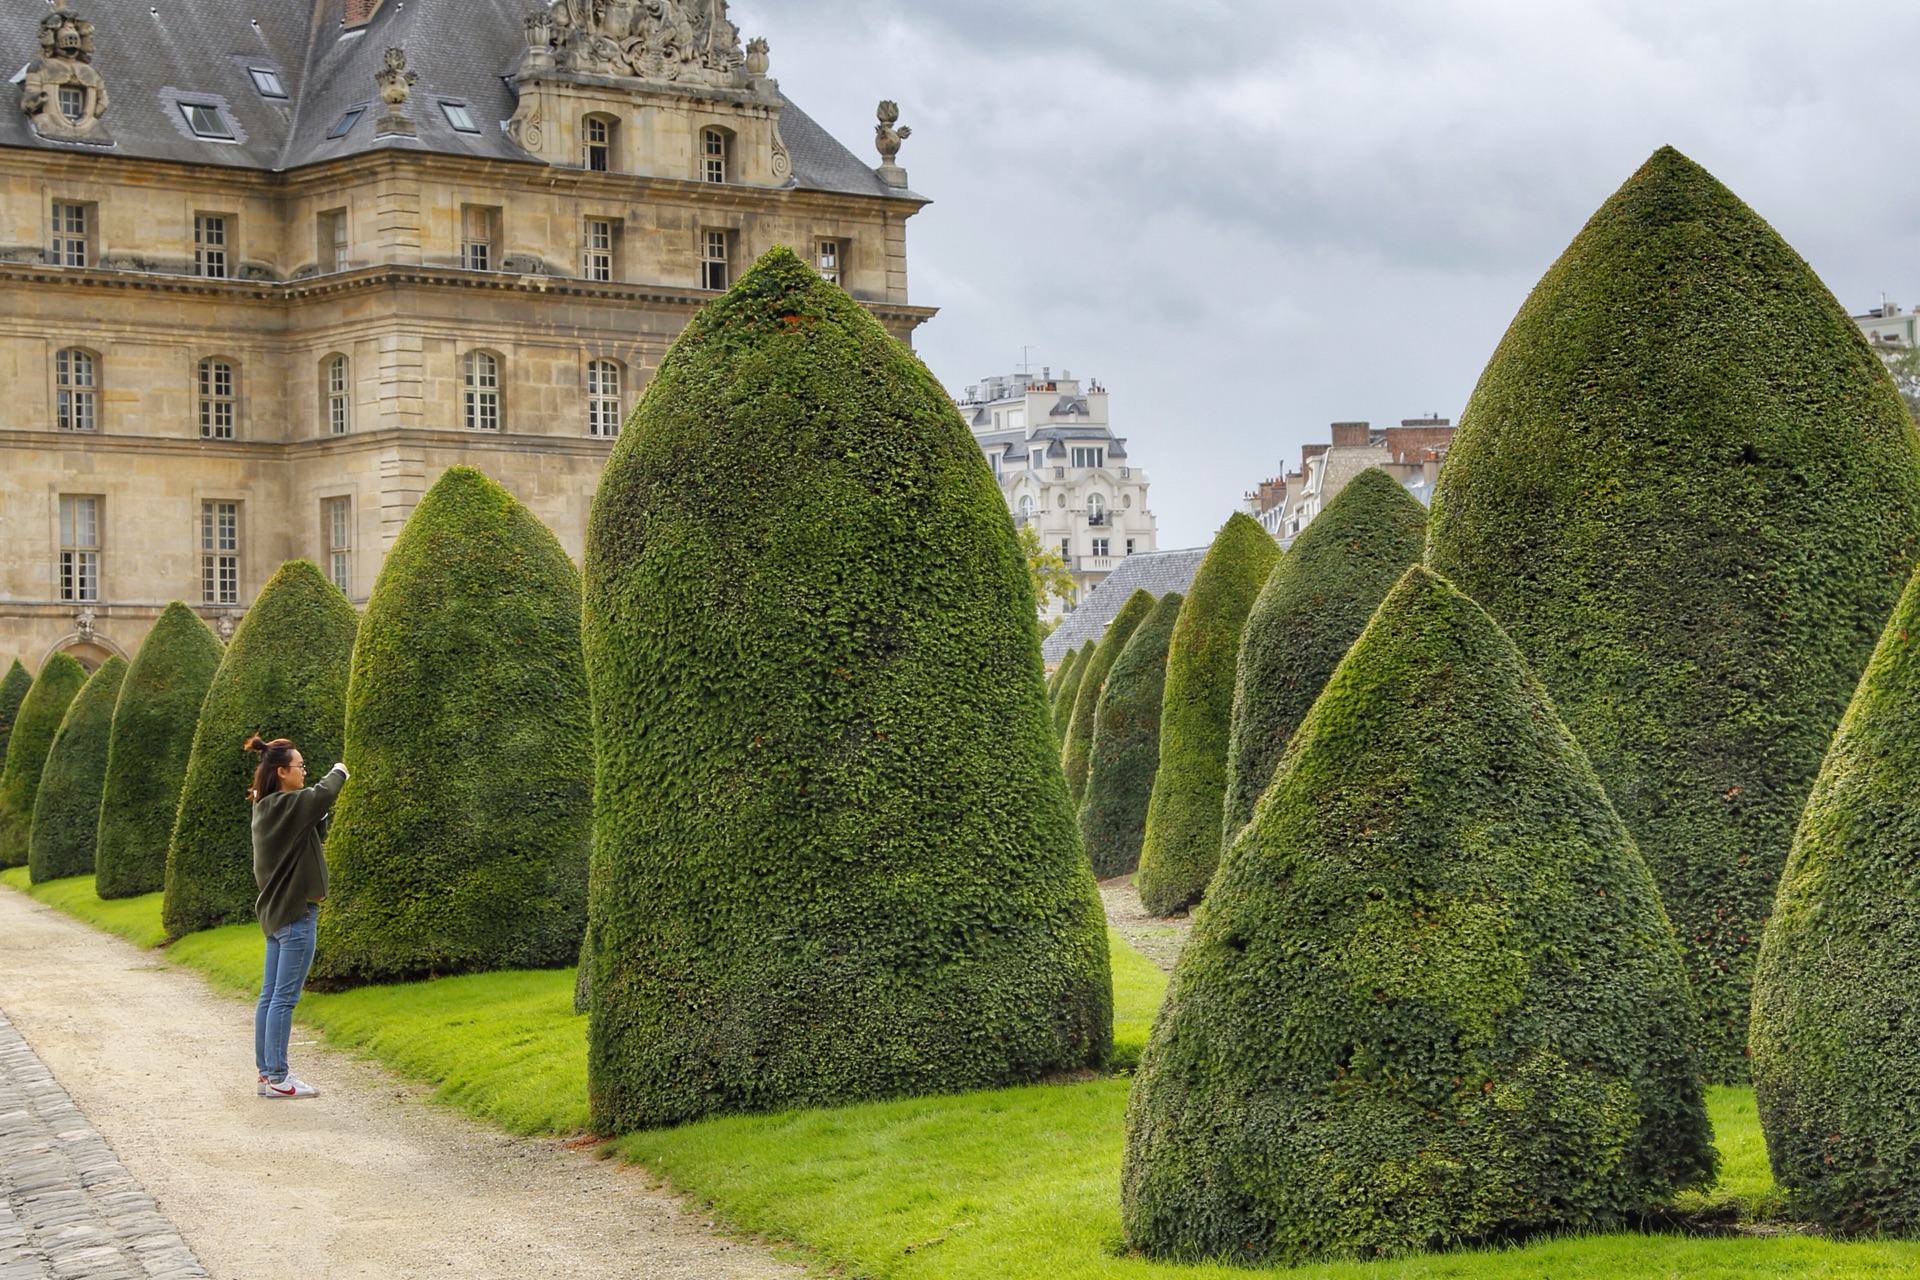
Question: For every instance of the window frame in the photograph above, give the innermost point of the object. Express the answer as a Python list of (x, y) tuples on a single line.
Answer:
[(710, 239), (218, 410), (336, 539), (336, 394), (482, 401), (599, 262), (333, 241), (486, 257), (267, 83), (218, 118), (599, 149), (213, 245), (716, 163), (836, 273), (605, 409), (348, 118), (76, 402), (62, 242), (456, 110), (220, 543), (77, 566), (1088, 457)]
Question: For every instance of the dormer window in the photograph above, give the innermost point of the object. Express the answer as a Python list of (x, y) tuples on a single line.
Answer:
[(267, 81), (459, 117), (73, 102), (713, 155), (205, 120), (344, 125)]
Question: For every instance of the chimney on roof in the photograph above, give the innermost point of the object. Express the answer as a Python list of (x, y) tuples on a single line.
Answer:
[(358, 13), (1350, 433)]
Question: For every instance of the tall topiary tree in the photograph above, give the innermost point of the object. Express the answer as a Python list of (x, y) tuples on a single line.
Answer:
[(1314, 605), (1182, 843), (1836, 1000), (13, 691), (1069, 687), (34, 728), (461, 843), (284, 675), (1433, 1000), (153, 723), (834, 857), (1077, 746), (1689, 491), (1060, 673), (1126, 746), (66, 810)]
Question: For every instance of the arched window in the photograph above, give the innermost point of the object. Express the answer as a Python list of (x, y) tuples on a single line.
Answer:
[(598, 137), (76, 384), (218, 388), (1026, 508), (336, 402), (715, 155), (603, 398), (483, 391), (1096, 509)]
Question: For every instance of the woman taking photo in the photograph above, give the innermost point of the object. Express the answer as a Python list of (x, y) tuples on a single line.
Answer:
[(289, 821)]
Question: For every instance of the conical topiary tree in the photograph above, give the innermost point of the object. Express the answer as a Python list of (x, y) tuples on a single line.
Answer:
[(1076, 748), (13, 691), (461, 843), (1126, 746), (34, 728), (1060, 673), (1433, 1000), (66, 810), (1836, 999), (1314, 605), (153, 723), (834, 857), (1689, 491), (284, 675), (1069, 687), (1182, 843)]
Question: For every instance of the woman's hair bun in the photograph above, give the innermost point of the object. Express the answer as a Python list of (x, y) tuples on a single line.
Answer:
[(256, 744)]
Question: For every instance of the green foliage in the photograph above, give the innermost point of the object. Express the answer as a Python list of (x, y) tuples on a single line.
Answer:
[(1433, 1000), (13, 691), (834, 857), (1046, 566), (1077, 745), (461, 842), (41, 712), (1687, 489), (1903, 366), (1060, 673), (153, 724), (66, 811), (1126, 746), (1313, 607), (1836, 1002), (1182, 843), (1069, 688), (284, 676)]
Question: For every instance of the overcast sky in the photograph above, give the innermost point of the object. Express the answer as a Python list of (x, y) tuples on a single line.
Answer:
[(1252, 219)]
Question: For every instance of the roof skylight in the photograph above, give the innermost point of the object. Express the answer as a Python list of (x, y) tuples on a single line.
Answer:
[(267, 81), (344, 125), (205, 120), (458, 116)]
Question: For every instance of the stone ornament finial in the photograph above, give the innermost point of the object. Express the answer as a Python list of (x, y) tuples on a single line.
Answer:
[(396, 86), (61, 92), (887, 140)]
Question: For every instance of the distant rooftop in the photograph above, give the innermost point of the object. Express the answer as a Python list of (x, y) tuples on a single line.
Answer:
[(1155, 572)]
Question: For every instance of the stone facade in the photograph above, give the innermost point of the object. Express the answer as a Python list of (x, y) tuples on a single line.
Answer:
[(221, 353), (1411, 453)]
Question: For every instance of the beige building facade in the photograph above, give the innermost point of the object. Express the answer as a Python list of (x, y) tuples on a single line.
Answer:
[(269, 274)]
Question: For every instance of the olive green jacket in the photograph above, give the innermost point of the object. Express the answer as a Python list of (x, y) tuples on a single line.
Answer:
[(287, 862)]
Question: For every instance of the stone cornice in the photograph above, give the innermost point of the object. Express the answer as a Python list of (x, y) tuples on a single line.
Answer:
[(310, 446)]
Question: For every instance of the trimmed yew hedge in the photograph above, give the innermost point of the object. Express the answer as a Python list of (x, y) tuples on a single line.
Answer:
[(66, 810), (1075, 752), (1060, 673), (1433, 1000), (1314, 605), (1836, 1000), (1069, 689), (1126, 746), (1182, 843), (34, 729), (153, 723), (461, 844), (13, 691), (284, 676), (1690, 492), (834, 857)]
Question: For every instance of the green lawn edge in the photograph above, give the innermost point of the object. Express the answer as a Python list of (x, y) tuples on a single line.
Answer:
[(1010, 1183)]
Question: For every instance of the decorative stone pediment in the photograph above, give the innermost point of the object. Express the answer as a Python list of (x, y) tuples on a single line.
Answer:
[(62, 93), (688, 42)]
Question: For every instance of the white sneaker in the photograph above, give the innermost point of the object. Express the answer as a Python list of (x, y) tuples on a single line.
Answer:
[(262, 1089), (291, 1087)]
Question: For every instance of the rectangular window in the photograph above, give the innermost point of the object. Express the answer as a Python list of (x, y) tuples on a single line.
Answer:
[(477, 226), (603, 398), (344, 125), (599, 263), (713, 155), (827, 259), (1066, 550), (331, 237), (267, 81), (713, 260), (459, 117), (338, 402), (75, 388), (599, 145), (220, 552), (79, 548), (483, 391), (336, 516), (1129, 546), (1037, 459), (216, 400), (206, 121), (71, 245), (1100, 546), (73, 102), (1089, 458), (210, 245)]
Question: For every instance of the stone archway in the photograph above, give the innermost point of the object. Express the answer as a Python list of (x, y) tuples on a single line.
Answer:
[(89, 648)]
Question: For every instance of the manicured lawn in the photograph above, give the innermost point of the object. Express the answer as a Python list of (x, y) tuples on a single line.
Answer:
[(1013, 1184)]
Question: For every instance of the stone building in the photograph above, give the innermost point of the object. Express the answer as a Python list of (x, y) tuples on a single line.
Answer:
[(1063, 471), (1411, 453), (271, 268)]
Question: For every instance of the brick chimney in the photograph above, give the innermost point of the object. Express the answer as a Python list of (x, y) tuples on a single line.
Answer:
[(1350, 433), (360, 12)]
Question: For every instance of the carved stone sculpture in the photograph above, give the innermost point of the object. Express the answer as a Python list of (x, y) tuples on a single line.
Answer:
[(396, 86), (83, 625), (675, 41), (887, 140), (61, 91)]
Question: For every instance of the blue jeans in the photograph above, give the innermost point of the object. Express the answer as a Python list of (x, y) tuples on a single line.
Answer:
[(289, 956)]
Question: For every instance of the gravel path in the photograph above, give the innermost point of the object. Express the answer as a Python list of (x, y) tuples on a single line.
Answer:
[(1158, 939), (367, 1180)]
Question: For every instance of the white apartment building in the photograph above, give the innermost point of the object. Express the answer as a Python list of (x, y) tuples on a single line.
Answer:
[(1063, 471)]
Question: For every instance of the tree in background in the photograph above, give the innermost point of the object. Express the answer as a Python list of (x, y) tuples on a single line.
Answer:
[(834, 858), (1687, 488), (284, 675), (1903, 366), (461, 843), (1433, 1000), (66, 810), (1060, 674), (34, 728), (1126, 746), (13, 691), (1048, 568), (1182, 843), (1063, 698), (1078, 744)]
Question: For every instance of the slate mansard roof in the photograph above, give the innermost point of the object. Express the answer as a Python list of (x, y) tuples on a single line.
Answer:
[(156, 54), (1155, 572)]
